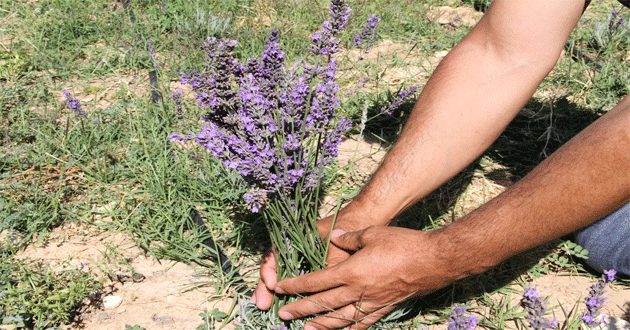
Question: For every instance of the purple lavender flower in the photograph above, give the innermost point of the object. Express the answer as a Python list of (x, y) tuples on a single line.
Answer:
[(176, 137), (595, 300), (536, 308), (74, 104), (399, 99), (367, 33), (613, 23), (325, 41), (255, 199), (459, 320), (152, 56)]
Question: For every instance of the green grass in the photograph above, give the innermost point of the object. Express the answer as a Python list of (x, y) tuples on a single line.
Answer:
[(56, 168)]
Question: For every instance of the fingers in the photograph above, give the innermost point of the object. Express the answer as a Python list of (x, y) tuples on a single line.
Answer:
[(348, 241), (325, 226), (321, 302), (263, 295), (336, 256), (316, 281), (268, 272), (349, 316)]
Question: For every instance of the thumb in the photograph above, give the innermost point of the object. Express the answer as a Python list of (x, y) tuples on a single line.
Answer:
[(352, 241)]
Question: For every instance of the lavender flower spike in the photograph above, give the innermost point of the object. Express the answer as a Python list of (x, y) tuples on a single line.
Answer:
[(324, 41), (536, 308), (595, 300), (458, 320), (74, 104), (152, 54), (363, 122), (399, 99), (367, 33), (177, 99)]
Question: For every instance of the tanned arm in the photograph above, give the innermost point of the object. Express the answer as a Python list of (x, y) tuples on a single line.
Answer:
[(471, 97), (585, 180)]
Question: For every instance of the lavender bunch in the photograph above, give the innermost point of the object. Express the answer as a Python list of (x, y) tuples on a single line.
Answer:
[(536, 308), (367, 33), (459, 320), (595, 300), (325, 41), (74, 104), (276, 126)]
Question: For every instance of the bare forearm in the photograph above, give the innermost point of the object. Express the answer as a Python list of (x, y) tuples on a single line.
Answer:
[(583, 181), (471, 97)]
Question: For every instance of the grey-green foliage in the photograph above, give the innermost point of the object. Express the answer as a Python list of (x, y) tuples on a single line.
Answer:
[(205, 23), (38, 296), (611, 32)]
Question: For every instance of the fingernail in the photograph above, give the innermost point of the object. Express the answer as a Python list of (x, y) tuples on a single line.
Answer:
[(279, 290), (309, 327), (285, 315), (338, 232)]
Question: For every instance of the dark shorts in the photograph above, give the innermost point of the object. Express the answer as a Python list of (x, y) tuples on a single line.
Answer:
[(608, 242)]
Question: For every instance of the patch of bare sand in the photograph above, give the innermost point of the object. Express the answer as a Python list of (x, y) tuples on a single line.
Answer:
[(400, 63), (357, 161)]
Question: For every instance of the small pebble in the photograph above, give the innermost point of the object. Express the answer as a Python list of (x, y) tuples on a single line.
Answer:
[(161, 319), (111, 301), (104, 316)]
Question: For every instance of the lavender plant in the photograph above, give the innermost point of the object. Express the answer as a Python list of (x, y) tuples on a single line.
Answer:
[(325, 41), (536, 308), (459, 320), (614, 23), (152, 56), (74, 104), (611, 32), (399, 99), (367, 34), (177, 99), (595, 300)]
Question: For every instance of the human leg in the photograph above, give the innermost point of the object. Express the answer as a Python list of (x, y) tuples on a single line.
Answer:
[(608, 241)]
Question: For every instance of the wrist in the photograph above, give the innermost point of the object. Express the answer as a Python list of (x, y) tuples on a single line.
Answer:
[(352, 217), (464, 251)]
